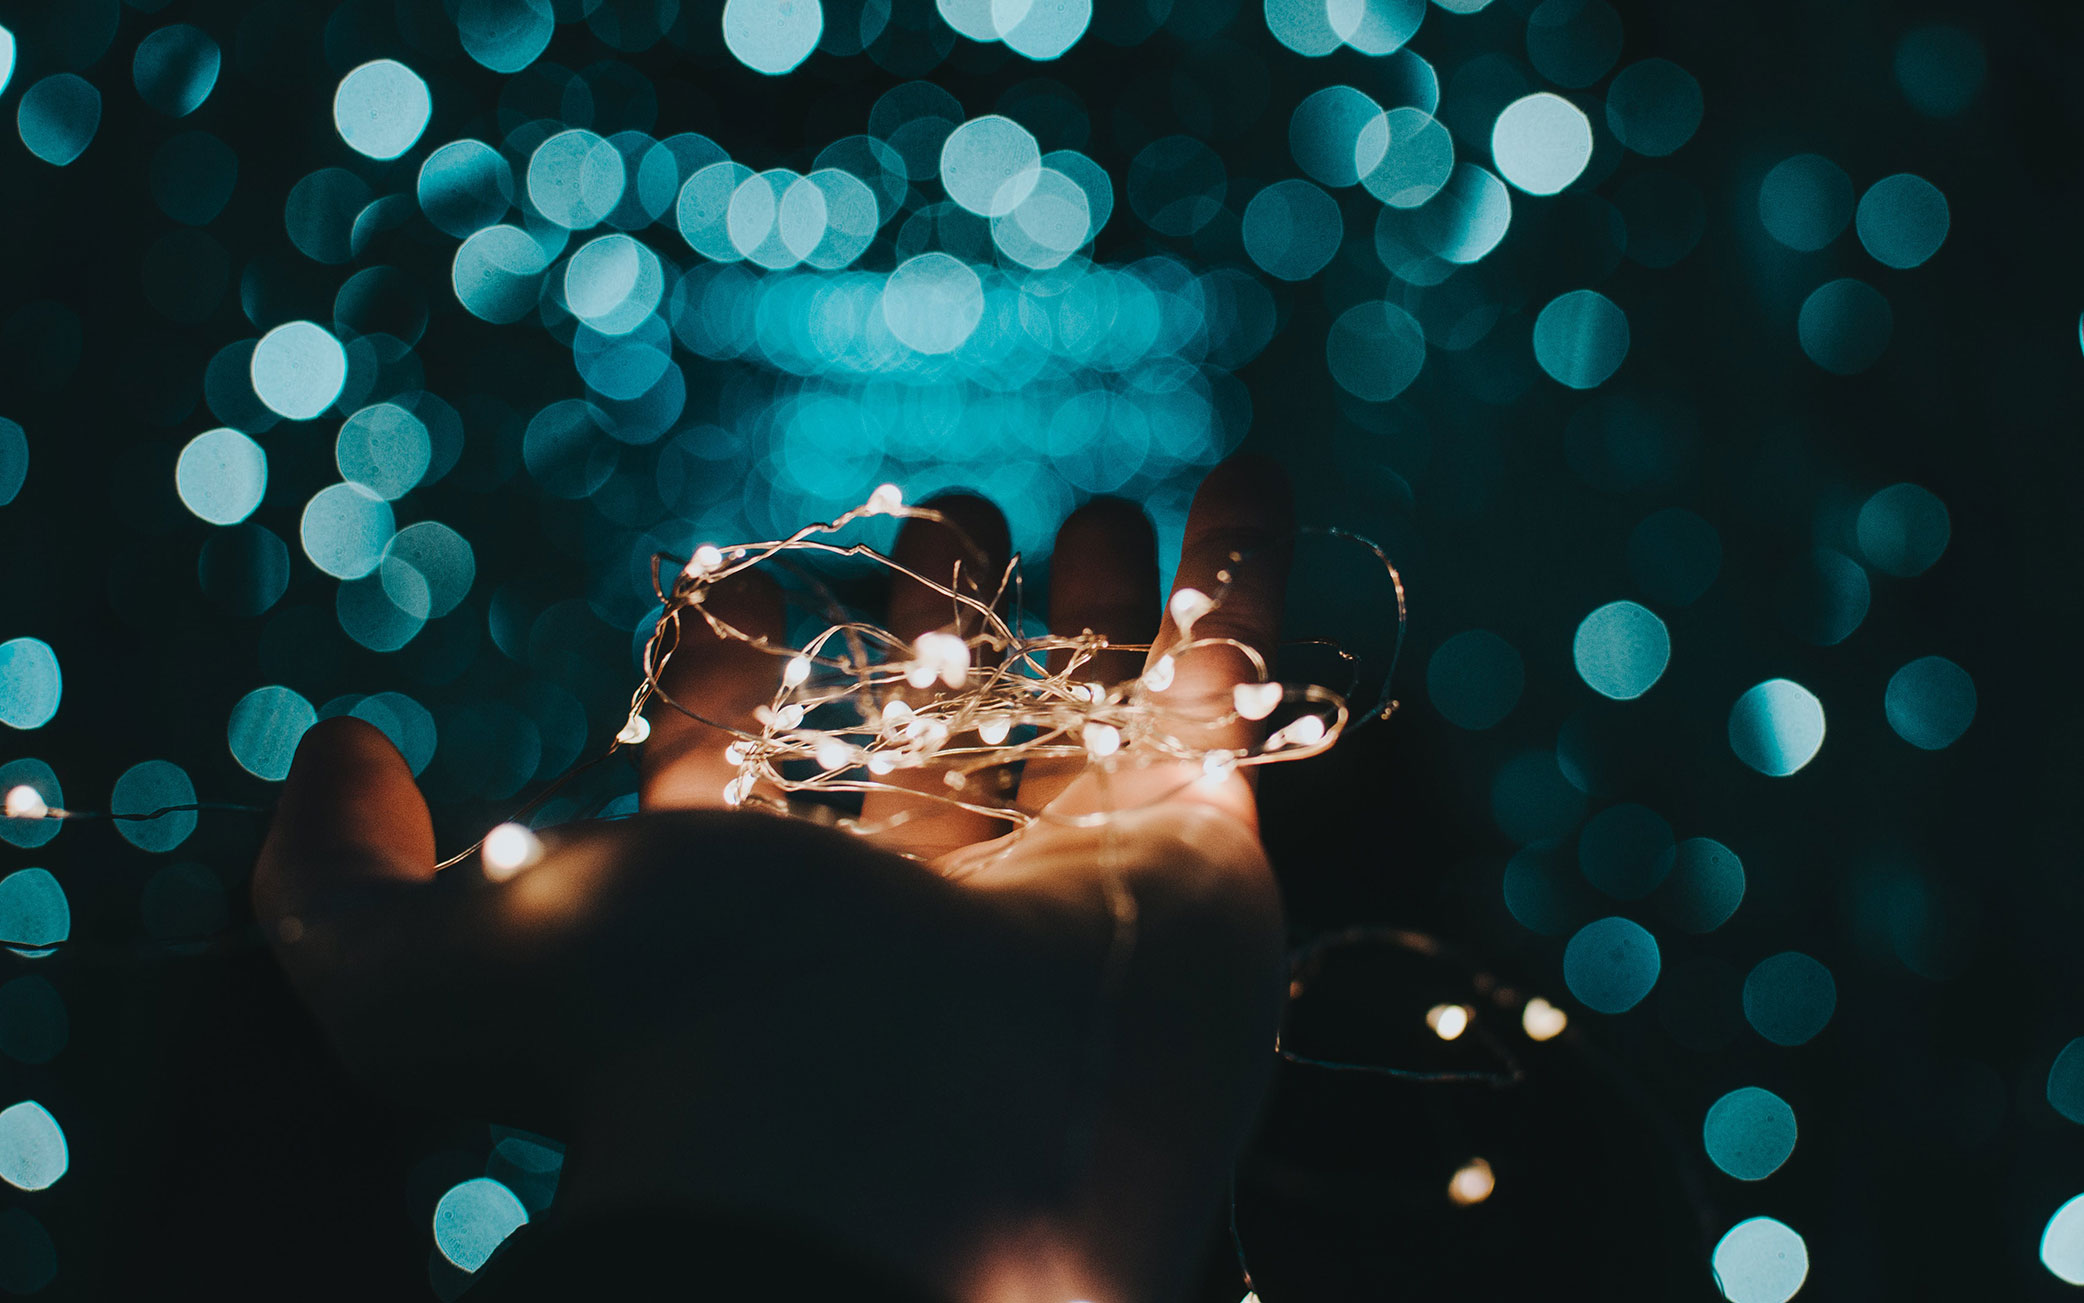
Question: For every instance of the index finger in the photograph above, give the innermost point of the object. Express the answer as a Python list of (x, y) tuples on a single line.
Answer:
[(1239, 537)]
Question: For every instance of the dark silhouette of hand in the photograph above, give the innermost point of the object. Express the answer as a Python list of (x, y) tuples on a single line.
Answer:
[(1006, 1068)]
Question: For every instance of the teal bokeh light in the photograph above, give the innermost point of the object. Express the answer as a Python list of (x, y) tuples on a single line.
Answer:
[(1581, 338), (34, 913), (1404, 156), (1845, 326), (2062, 1243), (989, 164), (1621, 650), (1324, 134), (1777, 727), (1292, 229), (58, 117), (472, 1219), (1749, 1133), (1940, 68), (298, 369), (154, 785), (264, 729), (465, 186), (1611, 964), (498, 274), (381, 108), (1541, 143), (1930, 702), (344, 529), (32, 1147), (43, 780), (175, 69), (576, 179), (1902, 220), (1760, 1260), (1375, 350), (772, 36), (14, 460), (1903, 530), (1706, 885), (1789, 998), (31, 684), (505, 36), (221, 476), (1653, 107), (1805, 202), (383, 448)]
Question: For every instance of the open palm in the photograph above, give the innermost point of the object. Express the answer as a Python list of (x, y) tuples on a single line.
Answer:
[(1020, 1069)]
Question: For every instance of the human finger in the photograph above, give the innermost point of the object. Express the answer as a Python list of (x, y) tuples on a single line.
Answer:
[(968, 554), (1104, 580)]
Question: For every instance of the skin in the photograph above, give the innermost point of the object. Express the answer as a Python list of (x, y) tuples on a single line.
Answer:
[(912, 1044)]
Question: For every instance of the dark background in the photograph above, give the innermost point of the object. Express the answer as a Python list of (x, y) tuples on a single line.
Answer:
[(212, 1141)]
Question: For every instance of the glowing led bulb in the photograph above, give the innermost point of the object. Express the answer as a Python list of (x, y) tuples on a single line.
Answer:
[(1471, 1183), (994, 729), (1303, 732), (1256, 700), (737, 789), (1159, 677), (895, 716), (736, 753), (795, 672), (508, 849), (886, 499), (788, 716), (1187, 606), (706, 560), (1542, 1021), (1216, 765), (940, 656), (1448, 1020), (635, 731), (25, 803), (880, 763), (834, 754), (1102, 740)]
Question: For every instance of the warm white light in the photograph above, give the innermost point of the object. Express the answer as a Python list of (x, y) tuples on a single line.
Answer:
[(1542, 1020), (1306, 732), (1448, 1020), (1102, 740), (1187, 606), (1218, 764), (24, 802), (508, 849), (940, 656), (881, 763), (895, 716), (788, 716), (795, 672), (1159, 677), (1256, 700), (735, 754), (1472, 1183), (994, 729), (834, 754), (706, 560), (736, 790), (886, 499), (635, 731)]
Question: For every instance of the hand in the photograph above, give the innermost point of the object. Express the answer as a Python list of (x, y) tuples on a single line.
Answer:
[(1024, 1075)]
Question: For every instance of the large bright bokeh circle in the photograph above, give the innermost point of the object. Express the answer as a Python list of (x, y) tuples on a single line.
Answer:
[(381, 108), (1541, 143), (1777, 727), (474, 1218), (221, 476), (298, 369), (1760, 1261), (772, 36)]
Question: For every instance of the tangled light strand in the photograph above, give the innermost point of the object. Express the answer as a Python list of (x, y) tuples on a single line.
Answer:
[(858, 704)]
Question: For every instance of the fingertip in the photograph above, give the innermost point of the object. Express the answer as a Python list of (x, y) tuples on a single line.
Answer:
[(1248, 489)]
